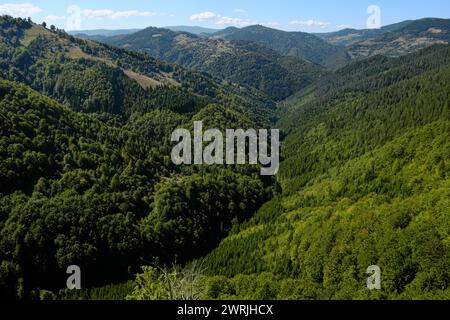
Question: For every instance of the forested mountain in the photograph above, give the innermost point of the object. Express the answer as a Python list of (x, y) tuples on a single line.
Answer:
[(365, 182), (297, 44), (85, 169), (241, 62), (409, 38), (391, 41), (350, 36), (86, 177), (332, 50), (93, 77)]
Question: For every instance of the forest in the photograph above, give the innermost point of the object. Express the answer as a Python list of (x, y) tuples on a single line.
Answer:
[(86, 177), (91, 148)]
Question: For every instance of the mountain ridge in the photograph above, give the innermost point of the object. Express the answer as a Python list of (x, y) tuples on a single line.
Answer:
[(298, 44), (242, 62)]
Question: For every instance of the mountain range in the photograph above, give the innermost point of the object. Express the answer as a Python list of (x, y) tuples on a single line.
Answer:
[(87, 179), (395, 40), (111, 33), (242, 62), (330, 50), (297, 44), (102, 32)]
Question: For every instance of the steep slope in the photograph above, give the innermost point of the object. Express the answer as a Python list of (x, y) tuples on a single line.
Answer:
[(93, 77), (241, 62), (85, 171), (365, 181), (297, 44), (101, 193)]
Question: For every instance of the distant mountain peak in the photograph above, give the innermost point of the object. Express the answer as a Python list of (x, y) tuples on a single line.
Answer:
[(192, 29)]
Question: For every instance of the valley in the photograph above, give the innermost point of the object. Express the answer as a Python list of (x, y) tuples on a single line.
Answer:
[(87, 177)]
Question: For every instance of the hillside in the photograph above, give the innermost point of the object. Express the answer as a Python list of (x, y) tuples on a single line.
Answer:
[(406, 39), (365, 181), (350, 36), (93, 77), (297, 44), (240, 62), (86, 176), (85, 169), (392, 41)]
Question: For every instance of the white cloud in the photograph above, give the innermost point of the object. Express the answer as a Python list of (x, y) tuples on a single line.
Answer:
[(50, 19), (310, 23), (111, 14), (221, 20), (236, 22), (208, 15), (19, 9)]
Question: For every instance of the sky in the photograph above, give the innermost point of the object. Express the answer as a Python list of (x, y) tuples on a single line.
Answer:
[(291, 15)]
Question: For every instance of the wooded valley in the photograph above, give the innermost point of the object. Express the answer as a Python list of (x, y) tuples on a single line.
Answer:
[(86, 177)]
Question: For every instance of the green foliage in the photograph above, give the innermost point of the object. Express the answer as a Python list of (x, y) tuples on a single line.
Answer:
[(338, 127), (95, 78), (365, 182), (150, 285), (12, 30), (198, 211), (76, 189), (84, 179), (168, 284)]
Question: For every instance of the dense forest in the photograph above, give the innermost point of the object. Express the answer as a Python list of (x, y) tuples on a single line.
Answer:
[(365, 181), (85, 169), (86, 177)]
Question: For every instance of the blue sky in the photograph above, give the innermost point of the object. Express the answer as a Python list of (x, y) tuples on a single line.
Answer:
[(296, 15)]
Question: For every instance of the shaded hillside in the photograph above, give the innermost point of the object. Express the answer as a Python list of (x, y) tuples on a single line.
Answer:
[(85, 168)]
